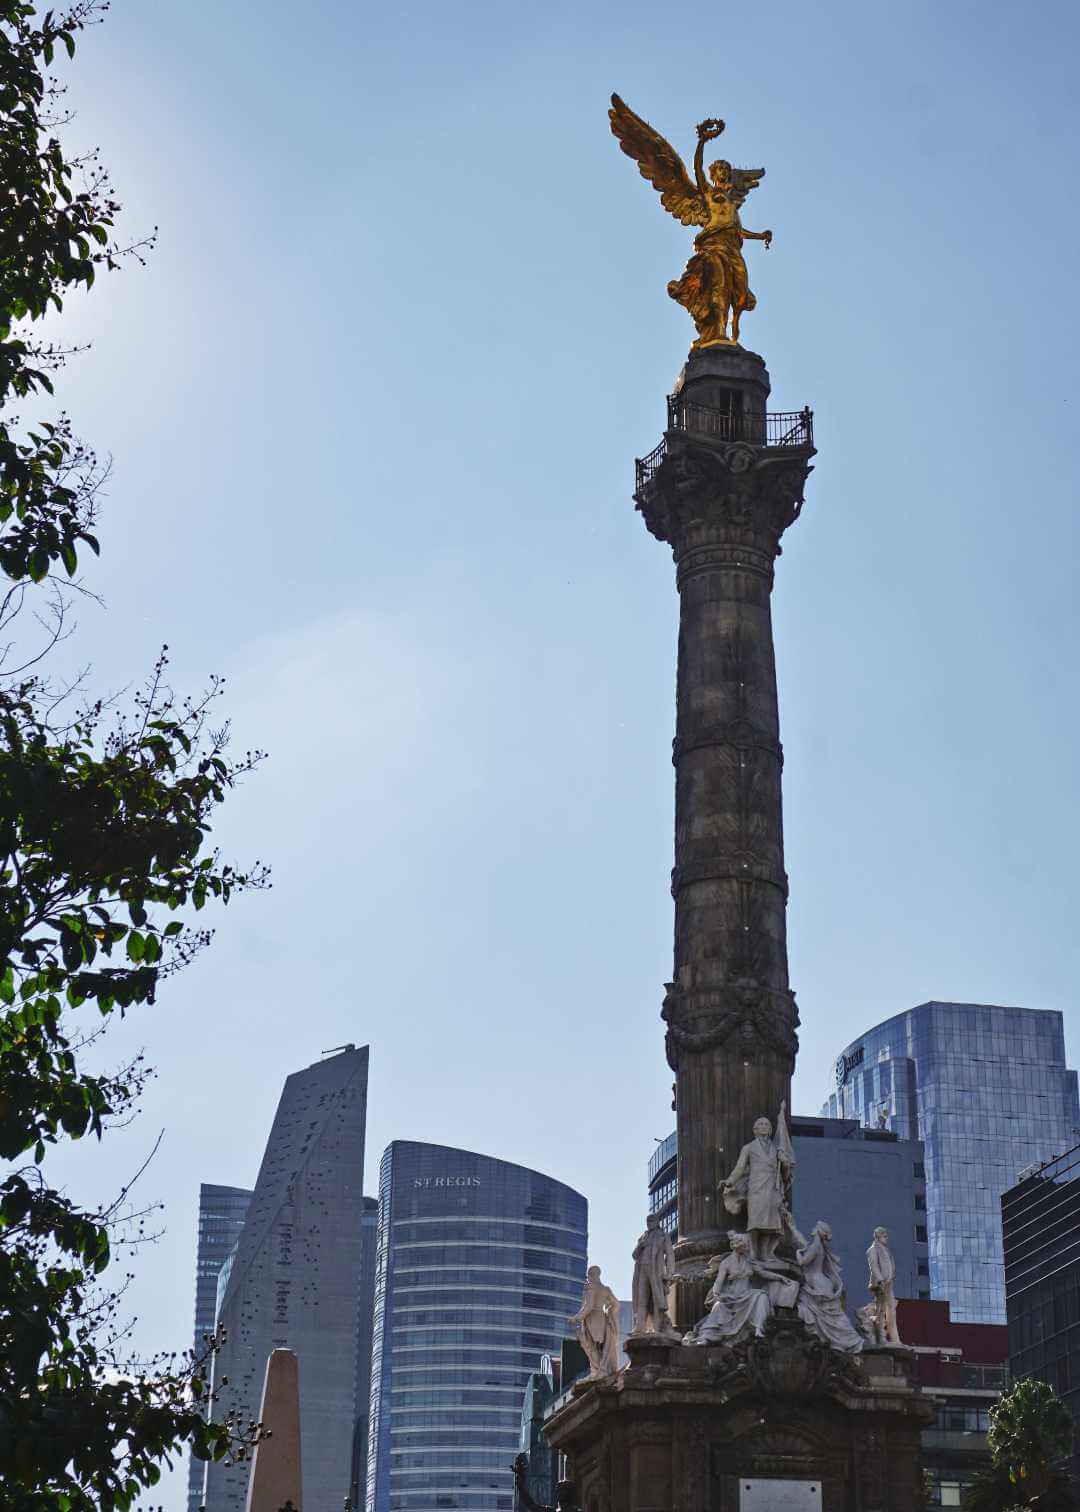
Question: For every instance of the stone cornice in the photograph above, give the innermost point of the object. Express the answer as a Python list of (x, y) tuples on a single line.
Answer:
[(789, 1365)]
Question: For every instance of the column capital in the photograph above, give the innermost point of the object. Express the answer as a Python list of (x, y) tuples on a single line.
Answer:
[(722, 503)]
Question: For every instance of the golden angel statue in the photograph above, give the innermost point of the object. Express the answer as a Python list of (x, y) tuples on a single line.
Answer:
[(714, 287)]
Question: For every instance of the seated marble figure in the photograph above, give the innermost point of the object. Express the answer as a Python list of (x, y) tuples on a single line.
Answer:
[(743, 1294), (746, 1291)]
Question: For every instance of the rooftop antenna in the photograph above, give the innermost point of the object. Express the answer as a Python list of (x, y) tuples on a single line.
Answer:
[(336, 1048)]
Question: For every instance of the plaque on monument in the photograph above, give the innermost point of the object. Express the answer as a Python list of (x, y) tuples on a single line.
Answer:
[(779, 1495)]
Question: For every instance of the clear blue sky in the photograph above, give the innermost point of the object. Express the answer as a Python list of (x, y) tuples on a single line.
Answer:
[(374, 406)]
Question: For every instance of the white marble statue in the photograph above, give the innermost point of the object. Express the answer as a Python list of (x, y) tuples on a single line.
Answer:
[(821, 1295), (597, 1322), (654, 1270), (877, 1320), (739, 1298), (761, 1183)]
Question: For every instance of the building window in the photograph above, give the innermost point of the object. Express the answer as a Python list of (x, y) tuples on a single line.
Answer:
[(920, 1202), (920, 1233), (923, 1267), (919, 1168)]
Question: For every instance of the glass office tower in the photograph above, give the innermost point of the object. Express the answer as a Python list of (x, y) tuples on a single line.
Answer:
[(987, 1091), (222, 1210), (364, 1327), (1041, 1224), (479, 1265)]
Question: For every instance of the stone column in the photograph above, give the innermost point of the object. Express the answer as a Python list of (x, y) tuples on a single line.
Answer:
[(721, 490), (275, 1466)]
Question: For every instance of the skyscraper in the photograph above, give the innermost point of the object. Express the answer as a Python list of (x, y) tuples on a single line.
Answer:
[(480, 1263), (987, 1091), (364, 1331), (1041, 1223), (222, 1210), (295, 1280)]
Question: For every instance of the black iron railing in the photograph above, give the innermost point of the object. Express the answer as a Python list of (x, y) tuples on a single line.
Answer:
[(645, 467), (794, 429)]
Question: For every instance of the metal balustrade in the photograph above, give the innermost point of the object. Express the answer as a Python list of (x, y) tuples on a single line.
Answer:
[(791, 429)]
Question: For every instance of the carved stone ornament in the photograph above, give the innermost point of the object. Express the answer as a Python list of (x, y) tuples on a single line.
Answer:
[(700, 1020), (738, 491), (788, 1361)]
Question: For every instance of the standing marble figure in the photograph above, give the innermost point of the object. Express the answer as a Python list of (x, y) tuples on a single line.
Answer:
[(761, 1183), (877, 1320), (654, 1270), (597, 1321), (821, 1295)]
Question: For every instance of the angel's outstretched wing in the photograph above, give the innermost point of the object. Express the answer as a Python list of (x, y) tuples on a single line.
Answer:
[(658, 161), (745, 179)]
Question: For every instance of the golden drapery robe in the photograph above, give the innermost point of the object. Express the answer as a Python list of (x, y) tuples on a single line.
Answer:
[(714, 281)]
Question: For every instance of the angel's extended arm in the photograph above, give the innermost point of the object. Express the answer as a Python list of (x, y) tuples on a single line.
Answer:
[(708, 131), (699, 167), (765, 236)]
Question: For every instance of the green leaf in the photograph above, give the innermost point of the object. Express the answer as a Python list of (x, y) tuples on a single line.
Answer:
[(136, 946)]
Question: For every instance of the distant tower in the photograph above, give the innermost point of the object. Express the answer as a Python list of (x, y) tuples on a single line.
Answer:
[(987, 1090), (295, 1281), (364, 1332), (222, 1210), (721, 488)]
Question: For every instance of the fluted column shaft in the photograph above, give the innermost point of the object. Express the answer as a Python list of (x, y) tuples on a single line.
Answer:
[(728, 883), (723, 505)]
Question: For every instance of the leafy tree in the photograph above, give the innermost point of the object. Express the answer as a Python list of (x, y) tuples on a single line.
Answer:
[(1030, 1438), (105, 817)]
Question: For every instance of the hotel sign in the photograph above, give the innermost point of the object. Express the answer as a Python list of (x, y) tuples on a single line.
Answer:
[(426, 1182)]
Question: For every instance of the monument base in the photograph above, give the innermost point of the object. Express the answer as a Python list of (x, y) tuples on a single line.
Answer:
[(700, 1429)]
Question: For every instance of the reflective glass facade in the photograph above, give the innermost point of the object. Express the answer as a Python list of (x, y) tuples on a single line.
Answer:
[(541, 1475), (222, 1210), (664, 1182), (365, 1323), (479, 1265), (1041, 1224), (987, 1091)]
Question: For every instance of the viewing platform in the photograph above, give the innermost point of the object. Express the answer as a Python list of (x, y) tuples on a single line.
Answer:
[(787, 431)]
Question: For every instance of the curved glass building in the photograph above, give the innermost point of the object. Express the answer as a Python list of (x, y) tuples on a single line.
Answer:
[(479, 1265), (987, 1091)]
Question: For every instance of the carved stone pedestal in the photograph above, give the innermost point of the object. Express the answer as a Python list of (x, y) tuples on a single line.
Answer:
[(683, 1429)]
